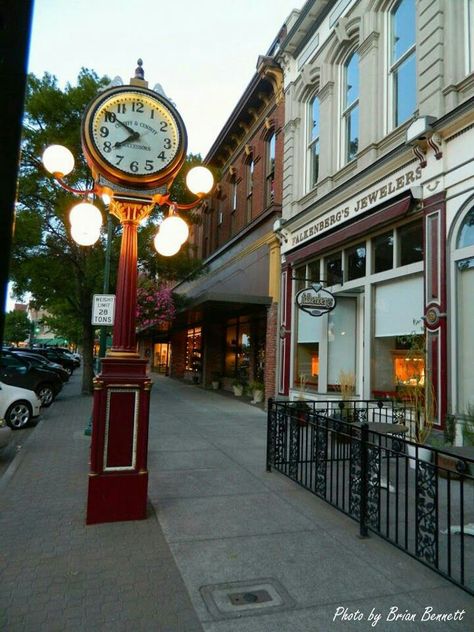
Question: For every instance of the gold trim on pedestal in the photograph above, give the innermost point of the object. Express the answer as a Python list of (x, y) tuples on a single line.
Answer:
[(148, 386), (124, 355), (98, 385), (130, 211)]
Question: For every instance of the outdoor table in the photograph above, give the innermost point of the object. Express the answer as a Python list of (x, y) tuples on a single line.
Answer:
[(384, 428)]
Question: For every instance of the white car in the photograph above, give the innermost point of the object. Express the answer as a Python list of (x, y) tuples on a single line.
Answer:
[(18, 406)]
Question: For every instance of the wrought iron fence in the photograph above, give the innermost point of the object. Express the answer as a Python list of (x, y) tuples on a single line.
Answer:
[(357, 458)]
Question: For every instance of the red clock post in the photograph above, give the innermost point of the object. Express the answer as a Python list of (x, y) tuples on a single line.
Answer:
[(134, 141)]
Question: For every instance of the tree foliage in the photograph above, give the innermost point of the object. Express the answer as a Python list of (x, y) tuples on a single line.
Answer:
[(60, 275), (17, 327)]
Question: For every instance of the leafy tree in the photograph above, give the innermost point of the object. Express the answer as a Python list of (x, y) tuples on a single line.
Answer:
[(17, 327), (61, 276), (46, 262)]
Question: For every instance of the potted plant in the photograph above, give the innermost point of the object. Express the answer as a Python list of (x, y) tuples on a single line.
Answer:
[(238, 386), (258, 389), (215, 380)]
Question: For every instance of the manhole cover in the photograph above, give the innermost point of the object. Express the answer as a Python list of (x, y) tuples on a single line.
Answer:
[(246, 598), (242, 599)]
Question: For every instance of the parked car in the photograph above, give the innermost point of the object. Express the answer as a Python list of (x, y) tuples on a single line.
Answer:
[(53, 356), (40, 361), (17, 371), (18, 406), (5, 434)]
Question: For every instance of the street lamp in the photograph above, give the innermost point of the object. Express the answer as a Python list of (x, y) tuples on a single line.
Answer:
[(134, 142)]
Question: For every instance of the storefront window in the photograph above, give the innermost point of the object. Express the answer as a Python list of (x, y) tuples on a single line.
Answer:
[(334, 269), (314, 272), (356, 262), (161, 353), (410, 238), (465, 333), (245, 348), (307, 364), (309, 335), (382, 248), (341, 342), (194, 350)]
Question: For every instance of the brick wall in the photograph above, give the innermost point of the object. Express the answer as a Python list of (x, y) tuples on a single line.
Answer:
[(178, 353), (271, 351)]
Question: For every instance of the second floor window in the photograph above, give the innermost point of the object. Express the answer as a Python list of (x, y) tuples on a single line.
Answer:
[(470, 35), (350, 113), (403, 61), (270, 171), (313, 142), (250, 171)]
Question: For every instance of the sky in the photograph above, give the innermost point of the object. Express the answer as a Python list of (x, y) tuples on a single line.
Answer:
[(203, 53)]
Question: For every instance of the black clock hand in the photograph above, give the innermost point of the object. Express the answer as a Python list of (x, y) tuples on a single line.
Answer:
[(133, 136), (129, 129)]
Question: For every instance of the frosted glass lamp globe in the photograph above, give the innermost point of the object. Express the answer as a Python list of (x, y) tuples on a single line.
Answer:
[(199, 180), (175, 228), (85, 214), (165, 244), (85, 235), (58, 160)]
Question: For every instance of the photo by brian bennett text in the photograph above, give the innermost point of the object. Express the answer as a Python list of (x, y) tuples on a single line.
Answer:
[(395, 614)]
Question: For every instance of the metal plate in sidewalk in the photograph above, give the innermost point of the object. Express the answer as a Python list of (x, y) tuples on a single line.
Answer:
[(246, 598)]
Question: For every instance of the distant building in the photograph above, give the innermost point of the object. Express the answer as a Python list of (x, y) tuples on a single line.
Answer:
[(229, 328)]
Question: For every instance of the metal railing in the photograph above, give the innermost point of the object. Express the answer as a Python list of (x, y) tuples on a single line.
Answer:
[(356, 457)]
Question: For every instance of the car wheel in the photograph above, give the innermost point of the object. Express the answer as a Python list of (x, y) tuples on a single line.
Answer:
[(69, 371), (46, 394), (18, 415)]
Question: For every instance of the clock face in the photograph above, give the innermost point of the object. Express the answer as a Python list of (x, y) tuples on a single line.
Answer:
[(134, 136)]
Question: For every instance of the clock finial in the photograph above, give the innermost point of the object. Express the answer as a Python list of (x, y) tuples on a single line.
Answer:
[(139, 78), (139, 72)]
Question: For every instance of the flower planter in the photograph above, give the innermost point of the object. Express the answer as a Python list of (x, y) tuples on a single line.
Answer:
[(257, 397), (238, 390), (215, 385)]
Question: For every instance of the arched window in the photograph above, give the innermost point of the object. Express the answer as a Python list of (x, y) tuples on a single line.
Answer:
[(403, 61), (466, 232), (270, 171), (250, 172), (313, 142), (350, 113), (463, 339)]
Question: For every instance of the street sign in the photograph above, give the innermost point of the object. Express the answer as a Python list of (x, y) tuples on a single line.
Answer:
[(315, 300), (103, 308)]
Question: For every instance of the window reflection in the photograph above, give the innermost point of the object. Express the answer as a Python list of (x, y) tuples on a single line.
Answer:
[(466, 233)]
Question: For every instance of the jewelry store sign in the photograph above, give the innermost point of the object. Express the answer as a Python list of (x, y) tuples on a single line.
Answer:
[(397, 183), (315, 300), (103, 309)]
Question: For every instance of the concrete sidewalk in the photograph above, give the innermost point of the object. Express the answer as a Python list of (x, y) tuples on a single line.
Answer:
[(221, 532)]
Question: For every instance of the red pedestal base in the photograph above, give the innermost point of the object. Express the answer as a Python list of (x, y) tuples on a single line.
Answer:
[(118, 479), (114, 498)]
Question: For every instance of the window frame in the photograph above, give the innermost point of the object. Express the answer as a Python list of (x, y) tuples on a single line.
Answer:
[(250, 173), (312, 142), (270, 155), (394, 66), (348, 109)]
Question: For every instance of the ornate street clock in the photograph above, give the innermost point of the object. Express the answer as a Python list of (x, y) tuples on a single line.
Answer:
[(134, 137)]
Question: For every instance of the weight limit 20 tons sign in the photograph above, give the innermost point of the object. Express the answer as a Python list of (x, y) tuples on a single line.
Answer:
[(103, 309)]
